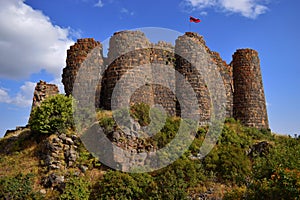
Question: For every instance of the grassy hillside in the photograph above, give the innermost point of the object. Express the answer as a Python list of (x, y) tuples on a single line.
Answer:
[(246, 163)]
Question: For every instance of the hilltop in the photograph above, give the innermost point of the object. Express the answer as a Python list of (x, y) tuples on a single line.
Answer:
[(246, 163), (119, 111)]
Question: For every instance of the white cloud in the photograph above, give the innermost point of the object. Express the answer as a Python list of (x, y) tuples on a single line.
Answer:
[(29, 42), (127, 12), (247, 8), (22, 99), (4, 97), (59, 84), (25, 95), (99, 4)]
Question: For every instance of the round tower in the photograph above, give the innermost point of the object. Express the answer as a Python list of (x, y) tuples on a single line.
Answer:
[(75, 56), (249, 104), (188, 48), (127, 50)]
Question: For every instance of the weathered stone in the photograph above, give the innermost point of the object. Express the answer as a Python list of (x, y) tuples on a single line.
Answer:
[(136, 126), (53, 179), (43, 191), (69, 141), (70, 157), (54, 166), (63, 137), (116, 135), (83, 168), (56, 140), (259, 149)]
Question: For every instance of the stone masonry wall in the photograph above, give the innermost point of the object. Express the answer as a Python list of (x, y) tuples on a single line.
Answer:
[(227, 75), (162, 58), (132, 62), (75, 56), (249, 105), (128, 49), (187, 48)]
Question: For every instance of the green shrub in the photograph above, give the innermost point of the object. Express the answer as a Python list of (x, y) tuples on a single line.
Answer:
[(117, 185), (76, 189), (285, 154), (229, 163), (55, 114), (17, 188), (175, 180), (168, 132), (141, 112), (107, 123)]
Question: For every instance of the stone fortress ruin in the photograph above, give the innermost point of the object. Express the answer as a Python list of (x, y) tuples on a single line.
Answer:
[(131, 65), (245, 99)]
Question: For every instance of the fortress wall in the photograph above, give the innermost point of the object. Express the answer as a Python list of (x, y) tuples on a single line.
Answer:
[(249, 105), (162, 58), (227, 74), (42, 91), (87, 85)]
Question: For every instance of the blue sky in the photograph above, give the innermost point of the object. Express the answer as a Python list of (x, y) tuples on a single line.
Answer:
[(35, 34)]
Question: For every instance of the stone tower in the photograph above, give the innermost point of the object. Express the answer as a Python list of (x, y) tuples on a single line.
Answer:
[(75, 56), (132, 62), (187, 48), (249, 104), (127, 50)]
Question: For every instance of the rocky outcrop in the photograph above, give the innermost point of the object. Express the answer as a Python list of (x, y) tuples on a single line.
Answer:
[(259, 149), (59, 152)]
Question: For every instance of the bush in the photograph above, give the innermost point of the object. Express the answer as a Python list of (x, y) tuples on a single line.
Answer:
[(107, 123), (118, 185), (17, 188), (141, 112), (177, 179), (55, 114), (228, 159), (76, 189), (167, 133)]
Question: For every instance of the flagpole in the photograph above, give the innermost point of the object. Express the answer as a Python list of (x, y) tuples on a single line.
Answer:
[(195, 20)]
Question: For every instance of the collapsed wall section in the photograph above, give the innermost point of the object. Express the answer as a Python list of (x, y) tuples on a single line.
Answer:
[(227, 76), (42, 91)]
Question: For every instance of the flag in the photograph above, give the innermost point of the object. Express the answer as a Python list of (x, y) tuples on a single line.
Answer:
[(193, 19)]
